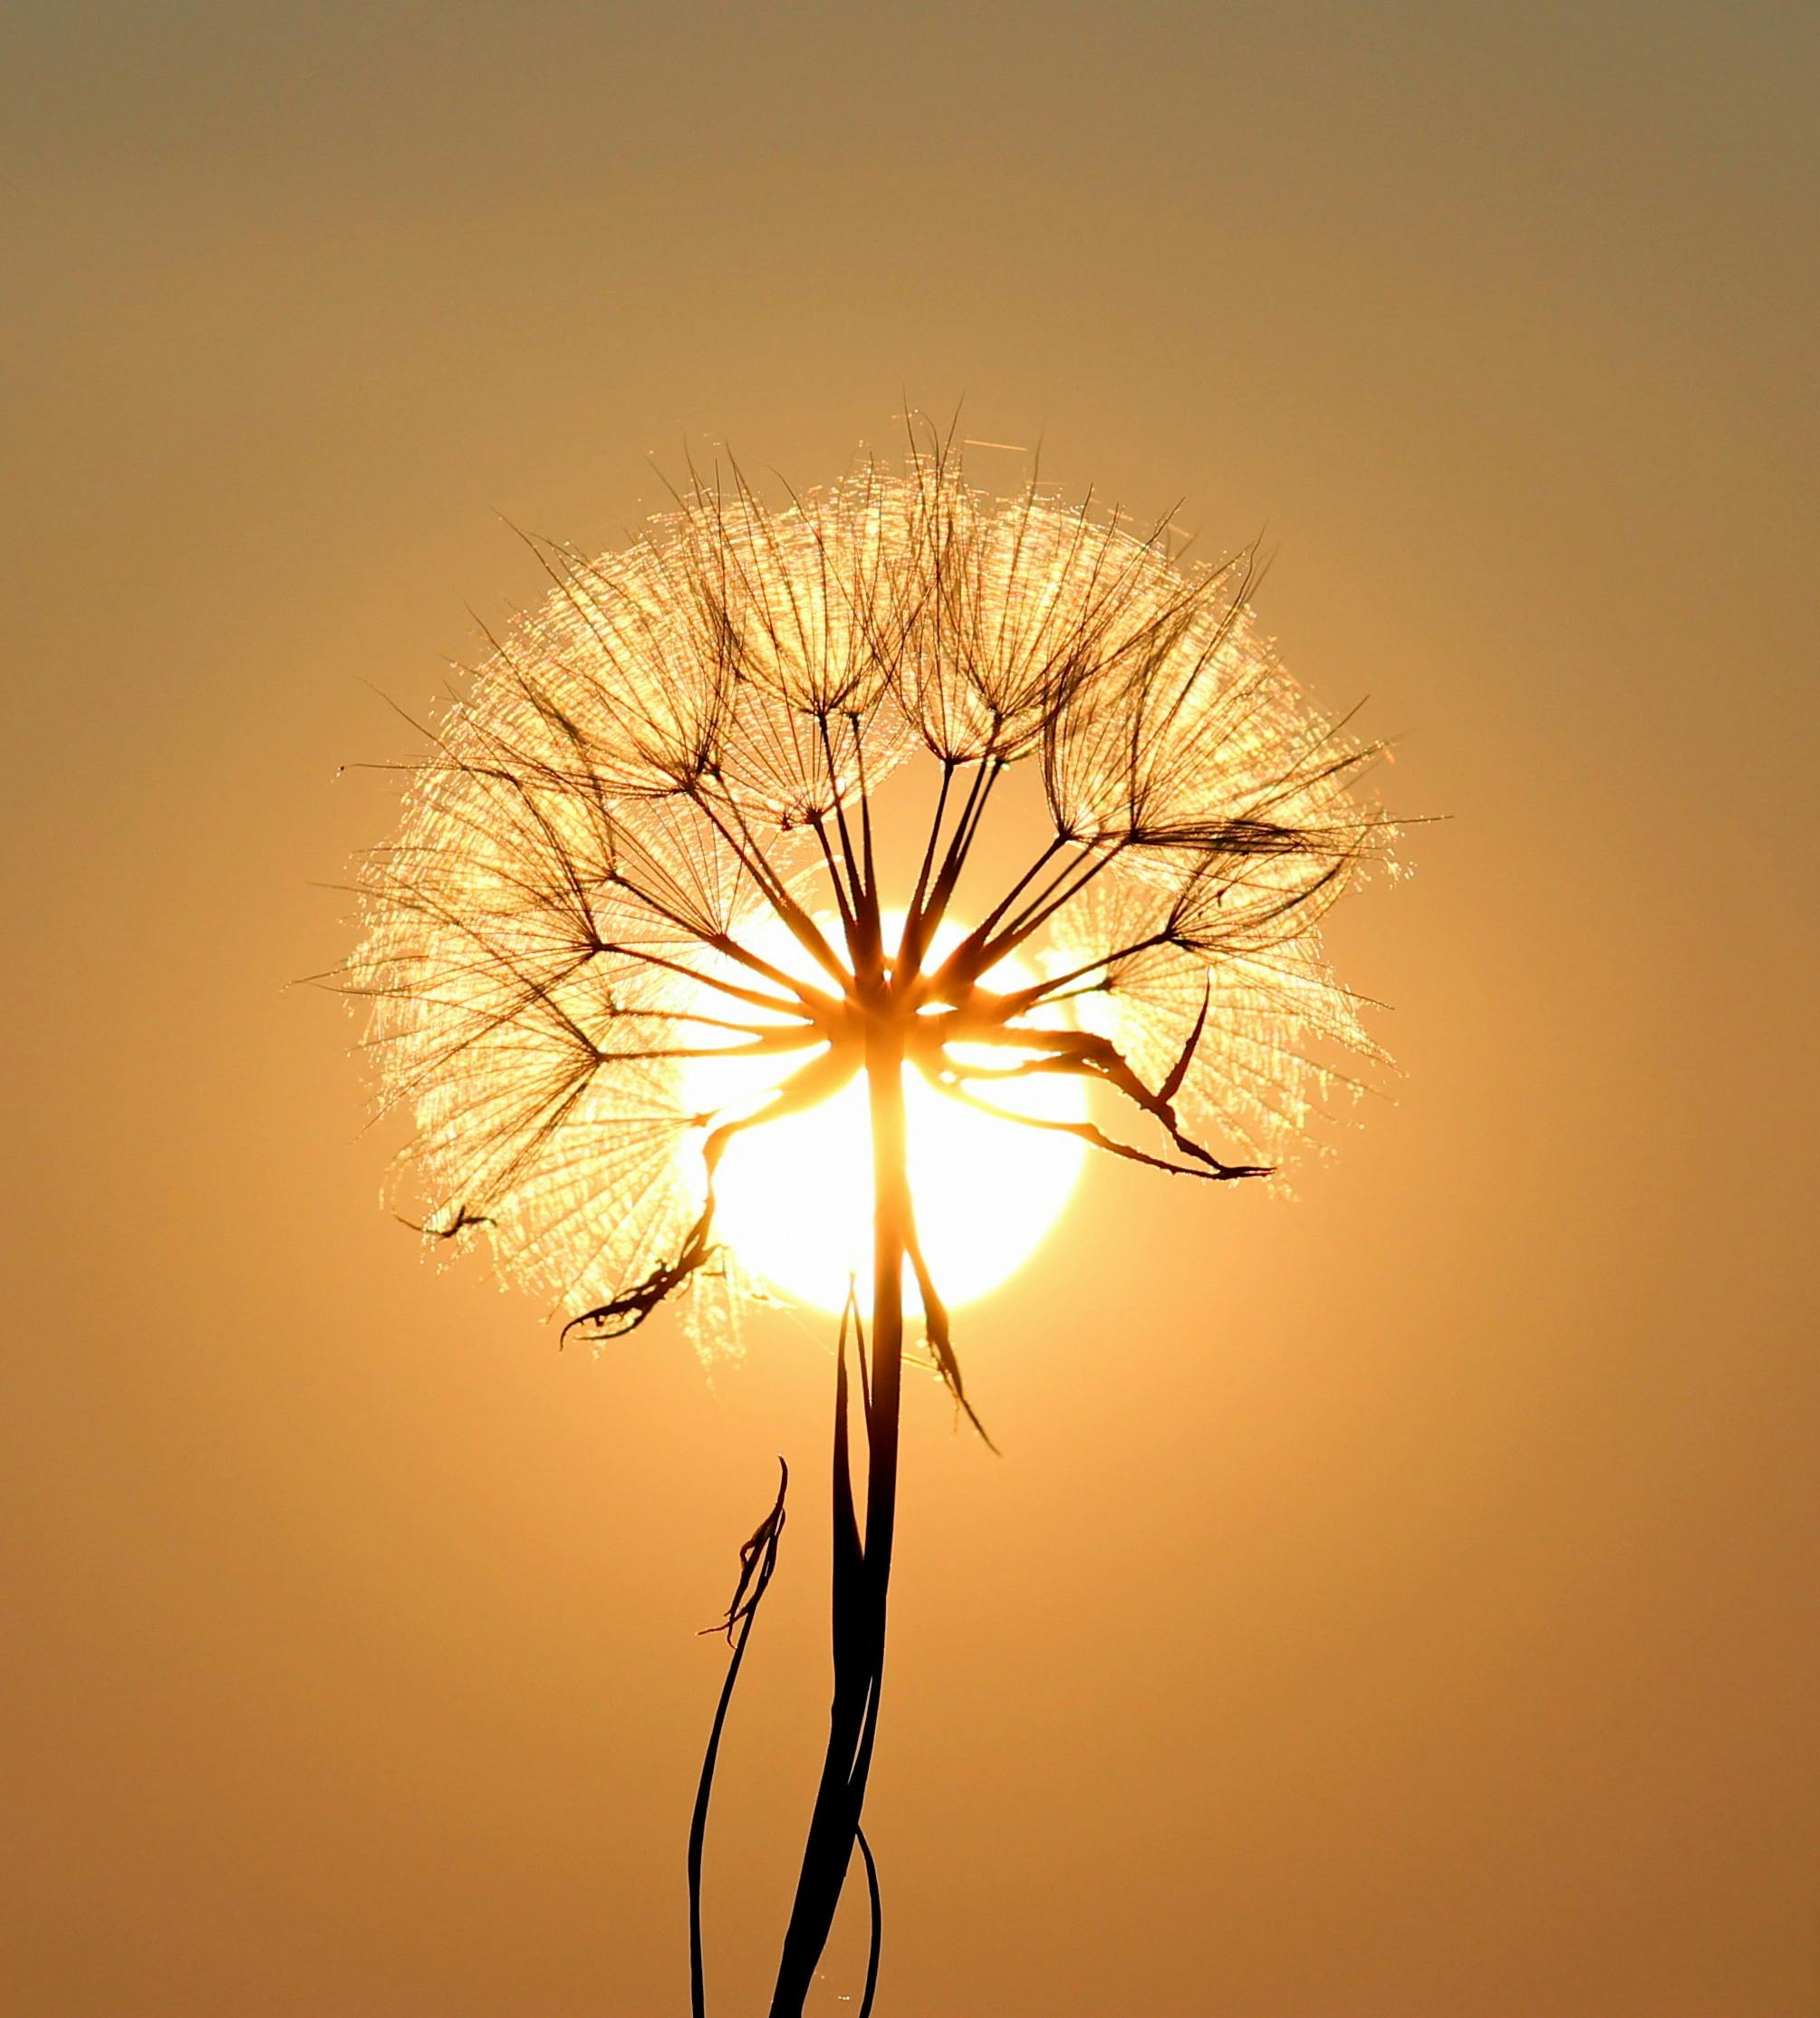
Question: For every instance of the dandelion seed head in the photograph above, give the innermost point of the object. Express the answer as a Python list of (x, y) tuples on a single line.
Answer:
[(683, 746)]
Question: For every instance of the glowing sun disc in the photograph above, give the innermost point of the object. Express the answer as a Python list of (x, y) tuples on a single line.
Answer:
[(794, 1196)]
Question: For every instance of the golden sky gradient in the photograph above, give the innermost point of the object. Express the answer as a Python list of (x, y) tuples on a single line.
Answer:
[(1397, 1604)]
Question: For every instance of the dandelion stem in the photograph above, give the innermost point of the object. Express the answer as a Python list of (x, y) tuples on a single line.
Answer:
[(758, 864), (757, 1560), (860, 1599), (928, 854), (925, 922), (841, 826), (980, 953), (837, 882), (872, 1989)]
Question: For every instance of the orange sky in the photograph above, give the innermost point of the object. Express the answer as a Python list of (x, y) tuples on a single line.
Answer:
[(1397, 1604)]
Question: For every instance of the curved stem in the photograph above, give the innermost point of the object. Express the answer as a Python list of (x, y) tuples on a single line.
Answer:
[(859, 1598), (872, 1989), (757, 1560)]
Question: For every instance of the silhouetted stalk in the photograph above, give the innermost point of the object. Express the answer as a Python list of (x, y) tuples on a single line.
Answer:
[(877, 1905), (861, 1579), (758, 1561)]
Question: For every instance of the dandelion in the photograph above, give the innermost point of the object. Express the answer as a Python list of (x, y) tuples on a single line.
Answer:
[(648, 845)]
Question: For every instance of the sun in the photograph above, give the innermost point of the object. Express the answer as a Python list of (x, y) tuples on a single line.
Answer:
[(794, 1196)]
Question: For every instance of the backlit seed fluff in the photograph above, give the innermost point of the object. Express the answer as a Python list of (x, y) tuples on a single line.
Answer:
[(699, 734)]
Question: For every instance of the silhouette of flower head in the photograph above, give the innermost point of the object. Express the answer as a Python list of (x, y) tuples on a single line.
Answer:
[(681, 754)]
